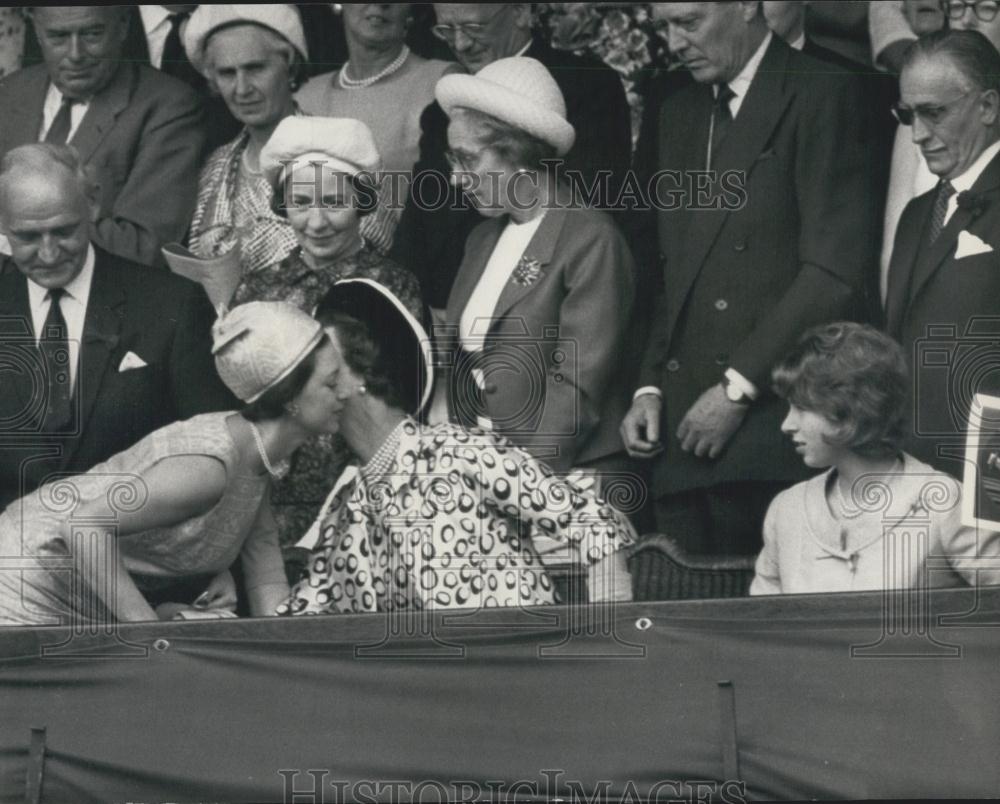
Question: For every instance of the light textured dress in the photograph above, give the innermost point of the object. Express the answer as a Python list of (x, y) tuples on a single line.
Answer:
[(37, 584), (898, 530)]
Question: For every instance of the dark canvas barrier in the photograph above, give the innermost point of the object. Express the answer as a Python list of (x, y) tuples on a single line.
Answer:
[(830, 697)]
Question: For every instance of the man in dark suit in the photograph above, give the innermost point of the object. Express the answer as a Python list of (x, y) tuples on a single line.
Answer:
[(141, 130), (95, 353), (944, 275), (783, 247), (431, 235)]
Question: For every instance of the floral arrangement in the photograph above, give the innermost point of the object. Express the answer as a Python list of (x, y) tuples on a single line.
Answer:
[(623, 35)]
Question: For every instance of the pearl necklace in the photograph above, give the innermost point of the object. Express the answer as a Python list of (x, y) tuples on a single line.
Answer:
[(276, 472), (361, 83)]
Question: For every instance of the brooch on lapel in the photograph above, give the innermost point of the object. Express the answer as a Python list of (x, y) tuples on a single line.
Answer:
[(527, 272)]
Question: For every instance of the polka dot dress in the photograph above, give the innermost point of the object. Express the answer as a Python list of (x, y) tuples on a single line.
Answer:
[(442, 528)]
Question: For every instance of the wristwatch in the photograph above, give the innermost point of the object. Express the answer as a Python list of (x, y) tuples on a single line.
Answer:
[(734, 394)]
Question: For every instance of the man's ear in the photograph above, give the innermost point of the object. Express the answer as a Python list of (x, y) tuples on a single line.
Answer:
[(990, 104)]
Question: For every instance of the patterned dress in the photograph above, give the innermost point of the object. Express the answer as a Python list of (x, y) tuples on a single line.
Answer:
[(438, 526), (298, 495), (234, 205), (41, 589)]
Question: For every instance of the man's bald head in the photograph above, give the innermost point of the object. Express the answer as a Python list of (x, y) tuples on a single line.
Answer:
[(47, 205)]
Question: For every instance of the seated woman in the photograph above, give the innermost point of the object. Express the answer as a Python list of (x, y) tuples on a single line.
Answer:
[(317, 168), (253, 57), (432, 516), (875, 516), (387, 87), (186, 500)]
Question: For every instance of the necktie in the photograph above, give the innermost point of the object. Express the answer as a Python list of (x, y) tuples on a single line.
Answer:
[(54, 346), (175, 61), (944, 192), (58, 133), (722, 119)]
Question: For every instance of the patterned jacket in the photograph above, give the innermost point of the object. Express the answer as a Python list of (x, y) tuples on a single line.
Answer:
[(440, 529)]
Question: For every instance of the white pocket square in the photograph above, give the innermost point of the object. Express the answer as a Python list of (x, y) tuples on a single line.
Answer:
[(131, 361), (969, 245)]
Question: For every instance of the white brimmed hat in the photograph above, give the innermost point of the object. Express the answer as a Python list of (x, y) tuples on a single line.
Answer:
[(519, 91), (394, 327), (283, 19), (256, 345), (339, 143)]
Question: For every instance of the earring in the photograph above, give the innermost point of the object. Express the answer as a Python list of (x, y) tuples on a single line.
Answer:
[(362, 389), (293, 410)]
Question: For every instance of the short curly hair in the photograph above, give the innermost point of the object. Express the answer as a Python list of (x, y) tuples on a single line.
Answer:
[(856, 377), (361, 350)]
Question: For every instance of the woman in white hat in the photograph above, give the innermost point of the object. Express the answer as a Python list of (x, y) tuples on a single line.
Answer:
[(432, 516), (185, 501), (543, 298), (321, 171), (387, 87), (253, 56)]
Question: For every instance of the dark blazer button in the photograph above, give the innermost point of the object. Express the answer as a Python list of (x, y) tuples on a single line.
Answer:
[(741, 246), (721, 304), (673, 364), (722, 359)]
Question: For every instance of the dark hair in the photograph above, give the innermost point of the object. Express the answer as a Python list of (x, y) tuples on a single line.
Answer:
[(272, 405), (366, 197), (971, 52), (366, 357), (517, 147), (856, 377)]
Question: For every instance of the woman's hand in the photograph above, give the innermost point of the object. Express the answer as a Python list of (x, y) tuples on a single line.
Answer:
[(219, 594)]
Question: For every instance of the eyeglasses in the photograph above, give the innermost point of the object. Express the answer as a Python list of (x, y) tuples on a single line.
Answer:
[(985, 10), (931, 115), (473, 30)]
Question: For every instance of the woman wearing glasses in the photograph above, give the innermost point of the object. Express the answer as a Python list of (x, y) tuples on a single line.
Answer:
[(385, 86), (543, 297)]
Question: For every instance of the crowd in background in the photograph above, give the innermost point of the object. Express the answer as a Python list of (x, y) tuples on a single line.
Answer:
[(493, 261)]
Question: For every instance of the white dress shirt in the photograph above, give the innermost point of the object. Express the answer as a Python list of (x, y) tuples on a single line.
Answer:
[(73, 306), (53, 102), (740, 85), (156, 25), (969, 178), (481, 307)]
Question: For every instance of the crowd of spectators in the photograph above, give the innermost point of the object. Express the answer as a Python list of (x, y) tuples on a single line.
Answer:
[(465, 306)]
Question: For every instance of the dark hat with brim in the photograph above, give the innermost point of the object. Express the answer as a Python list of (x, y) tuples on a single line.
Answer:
[(395, 329)]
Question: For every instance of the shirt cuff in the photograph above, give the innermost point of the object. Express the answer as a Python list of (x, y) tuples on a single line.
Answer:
[(742, 383), (647, 389)]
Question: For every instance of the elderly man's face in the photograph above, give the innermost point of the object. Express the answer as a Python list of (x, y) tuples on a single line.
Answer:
[(970, 22), (479, 34), (81, 45), (46, 218), (954, 122), (707, 37)]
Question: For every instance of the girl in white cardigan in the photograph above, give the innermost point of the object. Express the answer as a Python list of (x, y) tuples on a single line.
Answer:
[(877, 518)]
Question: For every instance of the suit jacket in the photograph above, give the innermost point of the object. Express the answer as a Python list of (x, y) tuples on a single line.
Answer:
[(787, 249), (142, 135), (431, 236), (162, 318), (557, 341), (942, 309)]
